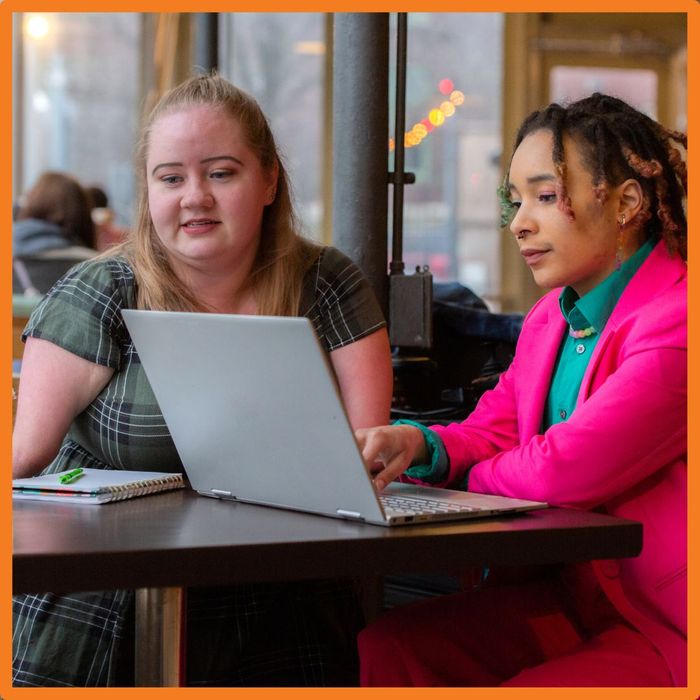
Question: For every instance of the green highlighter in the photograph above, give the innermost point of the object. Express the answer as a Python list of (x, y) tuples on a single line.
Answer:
[(71, 476)]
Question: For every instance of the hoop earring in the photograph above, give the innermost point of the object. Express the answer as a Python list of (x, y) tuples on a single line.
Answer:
[(620, 237)]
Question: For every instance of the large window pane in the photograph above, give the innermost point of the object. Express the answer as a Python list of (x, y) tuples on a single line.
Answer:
[(636, 86), (451, 213), (278, 58), (81, 91)]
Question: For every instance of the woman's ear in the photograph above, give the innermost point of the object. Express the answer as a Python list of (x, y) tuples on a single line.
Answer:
[(273, 178), (631, 199)]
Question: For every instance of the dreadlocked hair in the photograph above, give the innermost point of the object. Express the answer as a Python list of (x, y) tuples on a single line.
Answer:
[(618, 142)]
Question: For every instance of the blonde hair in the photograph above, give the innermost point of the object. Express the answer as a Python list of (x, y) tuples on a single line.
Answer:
[(283, 256)]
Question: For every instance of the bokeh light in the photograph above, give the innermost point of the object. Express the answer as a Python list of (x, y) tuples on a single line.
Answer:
[(446, 86), (447, 108), (37, 26), (420, 130), (436, 117)]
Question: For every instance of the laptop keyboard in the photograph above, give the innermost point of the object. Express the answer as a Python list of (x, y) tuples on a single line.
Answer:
[(406, 505)]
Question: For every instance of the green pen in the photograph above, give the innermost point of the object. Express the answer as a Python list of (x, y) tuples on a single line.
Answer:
[(71, 476)]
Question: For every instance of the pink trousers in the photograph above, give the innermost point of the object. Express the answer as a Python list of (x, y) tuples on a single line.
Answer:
[(531, 634)]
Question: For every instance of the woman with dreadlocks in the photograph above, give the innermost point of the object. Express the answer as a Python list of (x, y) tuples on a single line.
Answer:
[(591, 415)]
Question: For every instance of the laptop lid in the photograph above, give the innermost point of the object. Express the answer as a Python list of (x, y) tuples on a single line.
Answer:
[(254, 411), (255, 414)]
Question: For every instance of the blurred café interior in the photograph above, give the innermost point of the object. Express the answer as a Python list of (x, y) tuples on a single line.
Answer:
[(462, 83)]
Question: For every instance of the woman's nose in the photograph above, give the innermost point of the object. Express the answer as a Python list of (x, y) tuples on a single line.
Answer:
[(196, 195), (521, 224)]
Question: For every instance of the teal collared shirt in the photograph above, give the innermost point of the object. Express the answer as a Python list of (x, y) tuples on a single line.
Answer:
[(591, 311)]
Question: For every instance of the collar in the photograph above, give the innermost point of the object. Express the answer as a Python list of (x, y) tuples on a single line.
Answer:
[(594, 308)]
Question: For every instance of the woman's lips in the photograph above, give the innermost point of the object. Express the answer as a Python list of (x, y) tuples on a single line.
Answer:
[(199, 225), (532, 256)]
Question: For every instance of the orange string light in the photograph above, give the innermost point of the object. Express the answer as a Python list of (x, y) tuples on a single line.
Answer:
[(436, 116)]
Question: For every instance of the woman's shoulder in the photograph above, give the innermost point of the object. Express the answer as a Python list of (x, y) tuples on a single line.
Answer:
[(338, 299), (330, 255), (103, 281), (661, 321), (333, 267), (82, 311), (109, 271), (653, 308)]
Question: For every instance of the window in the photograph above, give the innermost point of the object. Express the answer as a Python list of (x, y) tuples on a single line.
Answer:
[(80, 87), (279, 59), (637, 87), (451, 217)]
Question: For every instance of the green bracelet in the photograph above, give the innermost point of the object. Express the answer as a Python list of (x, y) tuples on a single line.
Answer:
[(424, 472)]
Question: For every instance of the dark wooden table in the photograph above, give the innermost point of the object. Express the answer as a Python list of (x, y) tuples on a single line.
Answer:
[(162, 543)]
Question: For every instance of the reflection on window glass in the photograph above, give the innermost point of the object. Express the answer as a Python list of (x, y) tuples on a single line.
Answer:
[(635, 86), (278, 58), (81, 84), (453, 94)]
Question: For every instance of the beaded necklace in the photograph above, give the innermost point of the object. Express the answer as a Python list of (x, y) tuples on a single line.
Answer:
[(583, 333)]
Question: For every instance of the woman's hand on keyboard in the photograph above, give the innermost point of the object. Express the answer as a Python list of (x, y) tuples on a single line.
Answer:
[(389, 450)]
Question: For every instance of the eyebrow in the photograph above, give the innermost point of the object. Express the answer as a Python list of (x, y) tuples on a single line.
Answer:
[(534, 179), (175, 164)]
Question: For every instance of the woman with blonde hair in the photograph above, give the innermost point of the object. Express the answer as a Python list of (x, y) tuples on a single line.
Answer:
[(215, 232)]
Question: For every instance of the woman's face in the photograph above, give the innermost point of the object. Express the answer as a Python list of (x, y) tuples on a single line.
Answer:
[(206, 190), (561, 252)]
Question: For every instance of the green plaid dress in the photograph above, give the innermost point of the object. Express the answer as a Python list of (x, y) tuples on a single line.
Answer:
[(294, 634)]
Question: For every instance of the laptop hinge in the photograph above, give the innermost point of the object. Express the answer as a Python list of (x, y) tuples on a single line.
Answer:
[(220, 494), (350, 514)]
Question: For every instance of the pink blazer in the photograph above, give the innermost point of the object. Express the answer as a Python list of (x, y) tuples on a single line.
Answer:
[(622, 452)]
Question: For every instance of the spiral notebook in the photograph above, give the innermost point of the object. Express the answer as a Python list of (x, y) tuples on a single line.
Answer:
[(95, 486)]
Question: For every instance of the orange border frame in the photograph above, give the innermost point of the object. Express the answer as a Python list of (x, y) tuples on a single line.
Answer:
[(7, 7)]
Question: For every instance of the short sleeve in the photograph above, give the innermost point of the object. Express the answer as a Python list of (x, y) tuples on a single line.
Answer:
[(82, 312), (339, 301)]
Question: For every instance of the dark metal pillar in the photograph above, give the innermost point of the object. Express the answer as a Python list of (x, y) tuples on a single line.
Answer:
[(360, 143), (205, 51)]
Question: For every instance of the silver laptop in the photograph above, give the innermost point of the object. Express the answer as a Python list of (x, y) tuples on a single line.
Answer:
[(254, 410)]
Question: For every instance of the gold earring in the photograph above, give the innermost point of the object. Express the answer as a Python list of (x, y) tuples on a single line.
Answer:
[(620, 236)]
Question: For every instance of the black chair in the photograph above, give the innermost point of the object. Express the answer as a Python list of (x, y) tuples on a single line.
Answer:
[(34, 275)]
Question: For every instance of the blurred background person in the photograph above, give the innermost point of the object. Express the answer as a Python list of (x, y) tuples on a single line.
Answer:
[(53, 231), (107, 233)]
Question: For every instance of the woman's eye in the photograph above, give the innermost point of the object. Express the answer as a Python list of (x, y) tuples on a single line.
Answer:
[(515, 205), (547, 197), (171, 179), (220, 174)]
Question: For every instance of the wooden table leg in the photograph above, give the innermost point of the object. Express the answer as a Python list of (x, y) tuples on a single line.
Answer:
[(159, 629)]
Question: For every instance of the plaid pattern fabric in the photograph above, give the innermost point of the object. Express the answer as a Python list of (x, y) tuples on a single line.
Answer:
[(68, 640), (338, 301), (276, 634), (266, 634), (123, 427)]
